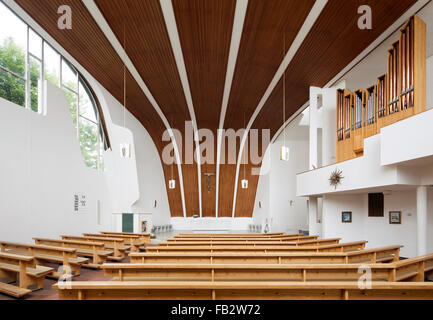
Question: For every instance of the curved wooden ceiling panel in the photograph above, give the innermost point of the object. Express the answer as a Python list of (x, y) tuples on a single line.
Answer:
[(205, 29)]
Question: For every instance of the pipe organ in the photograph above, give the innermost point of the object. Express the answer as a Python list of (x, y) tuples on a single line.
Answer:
[(397, 95), (370, 114)]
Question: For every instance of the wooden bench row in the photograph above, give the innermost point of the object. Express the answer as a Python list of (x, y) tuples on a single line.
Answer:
[(382, 254), (22, 270), (94, 250), (255, 244), (343, 247), (243, 290), (414, 269), (231, 235), (41, 253), (243, 240)]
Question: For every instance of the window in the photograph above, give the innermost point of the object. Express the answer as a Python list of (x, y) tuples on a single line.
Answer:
[(85, 116), (375, 205), (13, 47), (25, 61)]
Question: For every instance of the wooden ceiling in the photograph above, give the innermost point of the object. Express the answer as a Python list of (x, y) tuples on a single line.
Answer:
[(205, 30)]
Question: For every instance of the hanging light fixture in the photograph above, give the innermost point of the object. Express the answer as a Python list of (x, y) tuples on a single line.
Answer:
[(244, 181), (125, 148), (284, 150), (172, 182)]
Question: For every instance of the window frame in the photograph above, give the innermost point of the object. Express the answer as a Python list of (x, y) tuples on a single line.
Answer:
[(102, 133)]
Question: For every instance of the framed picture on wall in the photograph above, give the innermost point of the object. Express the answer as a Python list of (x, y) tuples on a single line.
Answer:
[(346, 217), (395, 217)]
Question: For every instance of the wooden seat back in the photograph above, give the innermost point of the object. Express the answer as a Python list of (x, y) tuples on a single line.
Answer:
[(296, 243), (243, 290), (77, 244), (234, 235), (411, 269), (117, 243), (382, 254), (343, 247), (247, 239)]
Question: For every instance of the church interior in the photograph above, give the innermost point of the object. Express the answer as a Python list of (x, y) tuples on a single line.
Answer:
[(216, 150)]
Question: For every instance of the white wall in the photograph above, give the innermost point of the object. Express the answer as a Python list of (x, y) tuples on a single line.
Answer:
[(277, 189), (41, 167), (377, 230), (211, 224)]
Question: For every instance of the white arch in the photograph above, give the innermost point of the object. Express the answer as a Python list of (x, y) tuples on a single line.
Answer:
[(238, 25), (170, 22)]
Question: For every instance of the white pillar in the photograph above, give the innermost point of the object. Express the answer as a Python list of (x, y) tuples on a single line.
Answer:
[(313, 227), (421, 217), (313, 127), (329, 125)]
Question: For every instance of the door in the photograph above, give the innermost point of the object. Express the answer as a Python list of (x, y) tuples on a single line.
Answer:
[(127, 222)]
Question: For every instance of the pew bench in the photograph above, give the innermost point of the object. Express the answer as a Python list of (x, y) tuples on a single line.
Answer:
[(145, 237), (255, 244), (29, 274), (132, 242), (94, 250), (114, 244), (13, 291), (375, 255), (243, 290), (66, 257), (343, 247), (228, 235), (241, 239), (414, 269)]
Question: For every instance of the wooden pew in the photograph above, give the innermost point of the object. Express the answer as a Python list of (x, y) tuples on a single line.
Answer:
[(376, 255), (94, 250), (143, 236), (67, 257), (255, 244), (115, 244), (29, 274), (413, 269), (244, 290), (244, 240), (133, 243), (342, 247), (234, 235)]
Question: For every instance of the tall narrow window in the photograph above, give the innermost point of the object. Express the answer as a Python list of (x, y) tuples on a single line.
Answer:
[(13, 48), (51, 65)]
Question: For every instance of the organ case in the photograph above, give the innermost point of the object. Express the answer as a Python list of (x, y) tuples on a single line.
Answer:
[(406, 80), (358, 113), (370, 111), (344, 125)]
